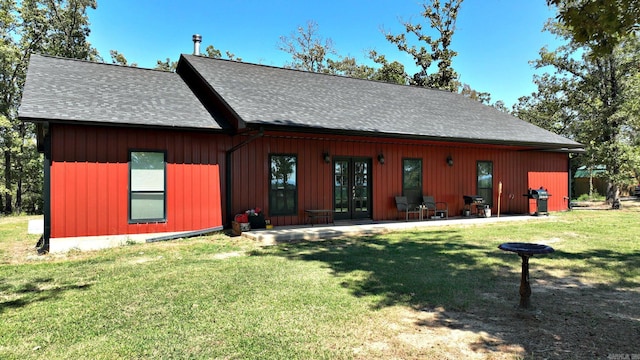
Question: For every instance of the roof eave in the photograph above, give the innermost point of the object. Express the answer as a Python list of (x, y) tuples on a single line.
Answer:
[(530, 146), (37, 120)]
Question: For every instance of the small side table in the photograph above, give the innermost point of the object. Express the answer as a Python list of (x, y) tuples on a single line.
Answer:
[(525, 251)]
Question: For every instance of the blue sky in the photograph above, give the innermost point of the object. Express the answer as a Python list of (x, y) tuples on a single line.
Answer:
[(495, 39)]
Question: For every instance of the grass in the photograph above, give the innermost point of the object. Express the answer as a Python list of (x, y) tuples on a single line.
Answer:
[(221, 297)]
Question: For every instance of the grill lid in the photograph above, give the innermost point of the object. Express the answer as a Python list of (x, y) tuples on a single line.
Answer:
[(539, 194), (473, 199)]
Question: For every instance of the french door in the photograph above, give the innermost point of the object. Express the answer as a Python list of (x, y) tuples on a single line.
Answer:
[(352, 188)]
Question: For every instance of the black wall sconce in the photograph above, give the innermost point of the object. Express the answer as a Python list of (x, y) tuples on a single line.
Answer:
[(449, 160), (381, 159), (326, 157)]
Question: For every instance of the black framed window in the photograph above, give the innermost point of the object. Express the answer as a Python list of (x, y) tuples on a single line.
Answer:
[(412, 180), (283, 184), (485, 181), (147, 186)]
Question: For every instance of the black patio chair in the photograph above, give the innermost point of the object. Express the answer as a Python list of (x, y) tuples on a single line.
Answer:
[(435, 207), (402, 204)]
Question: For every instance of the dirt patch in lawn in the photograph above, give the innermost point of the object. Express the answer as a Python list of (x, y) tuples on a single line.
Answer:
[(630, 202), (568, 319)]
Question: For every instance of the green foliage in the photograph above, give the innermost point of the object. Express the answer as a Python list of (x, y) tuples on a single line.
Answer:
[(308, 50), (119, 59), (391, 72), (591, 97), (440, 18), (593, 197), (483, 97), (212, 52), (53, 27), (166, 65), (600, 24), (349, 67)]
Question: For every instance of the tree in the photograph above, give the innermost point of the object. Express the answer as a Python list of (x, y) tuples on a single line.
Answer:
[(483, 97), (441, 18), (349, 67), (591, 96), (119, 59), (391, 72), (166, 65), (600, 24), (54, 27), (308, 50), (210, 51)]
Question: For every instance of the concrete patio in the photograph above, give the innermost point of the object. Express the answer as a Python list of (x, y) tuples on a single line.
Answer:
[(341, 229)]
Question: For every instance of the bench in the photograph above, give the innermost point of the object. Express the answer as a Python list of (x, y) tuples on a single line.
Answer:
[(319, 214)]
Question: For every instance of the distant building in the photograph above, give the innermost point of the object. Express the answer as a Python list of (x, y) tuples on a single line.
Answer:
[(583, 176)]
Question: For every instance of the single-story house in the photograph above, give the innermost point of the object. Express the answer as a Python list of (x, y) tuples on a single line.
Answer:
[(134, 153)]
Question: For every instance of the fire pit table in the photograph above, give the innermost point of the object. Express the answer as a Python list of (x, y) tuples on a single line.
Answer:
[(525, 251)]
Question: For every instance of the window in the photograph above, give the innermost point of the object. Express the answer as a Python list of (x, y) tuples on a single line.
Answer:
[(283, 188), (485, 181), (412, 180), (147, 186)]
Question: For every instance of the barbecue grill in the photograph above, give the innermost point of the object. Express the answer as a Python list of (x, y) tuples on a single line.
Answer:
[(474, 200), (541, 197)]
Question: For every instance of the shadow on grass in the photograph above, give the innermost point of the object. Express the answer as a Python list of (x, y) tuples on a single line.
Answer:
[(411, 268), (621, 268), (34, 291), (474, 288)]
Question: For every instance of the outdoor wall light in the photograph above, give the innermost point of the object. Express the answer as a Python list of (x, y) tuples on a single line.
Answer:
[(449, 160), (381, 159), (326, 157)]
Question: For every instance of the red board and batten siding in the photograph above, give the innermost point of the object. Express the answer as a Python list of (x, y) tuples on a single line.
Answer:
[(90, 174), (90, 180), (512, 166)]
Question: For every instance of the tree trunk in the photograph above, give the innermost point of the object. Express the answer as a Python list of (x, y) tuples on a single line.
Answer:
[(590, 182), (7, 182)]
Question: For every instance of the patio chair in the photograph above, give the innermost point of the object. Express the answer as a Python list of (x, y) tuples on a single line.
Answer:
[(436, 207), (403, 206)]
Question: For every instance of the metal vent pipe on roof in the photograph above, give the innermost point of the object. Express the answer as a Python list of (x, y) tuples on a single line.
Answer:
[(197, 39)]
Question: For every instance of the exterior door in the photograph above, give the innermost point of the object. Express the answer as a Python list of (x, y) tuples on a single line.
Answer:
[(352, 188)]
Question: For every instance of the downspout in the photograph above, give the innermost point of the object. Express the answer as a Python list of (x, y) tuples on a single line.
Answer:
[(570, 183), (229, 173), (43, 243)]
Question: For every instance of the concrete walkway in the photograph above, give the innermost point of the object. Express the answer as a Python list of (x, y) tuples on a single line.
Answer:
[(349, 229)]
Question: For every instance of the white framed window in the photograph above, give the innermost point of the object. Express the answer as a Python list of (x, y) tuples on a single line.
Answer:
[(147, 186)]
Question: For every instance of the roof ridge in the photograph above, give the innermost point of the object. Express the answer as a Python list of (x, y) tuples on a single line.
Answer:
[(316, 73), (101, 63)]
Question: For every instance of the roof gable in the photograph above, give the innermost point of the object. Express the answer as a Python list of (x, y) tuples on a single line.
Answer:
[(59, 89), (271, 96)]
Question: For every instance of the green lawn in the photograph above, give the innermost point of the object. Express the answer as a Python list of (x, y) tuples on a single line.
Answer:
[(221, 297)]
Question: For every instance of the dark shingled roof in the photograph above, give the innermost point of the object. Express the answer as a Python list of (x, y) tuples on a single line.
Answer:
[(265, 95), (60, 89)]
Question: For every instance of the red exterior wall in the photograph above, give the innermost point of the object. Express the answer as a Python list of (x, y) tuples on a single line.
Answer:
[(511, 166), (90, 179), (89, 175)]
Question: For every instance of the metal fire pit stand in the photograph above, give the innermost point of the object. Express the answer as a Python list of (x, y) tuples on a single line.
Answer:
[(525, 251)]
